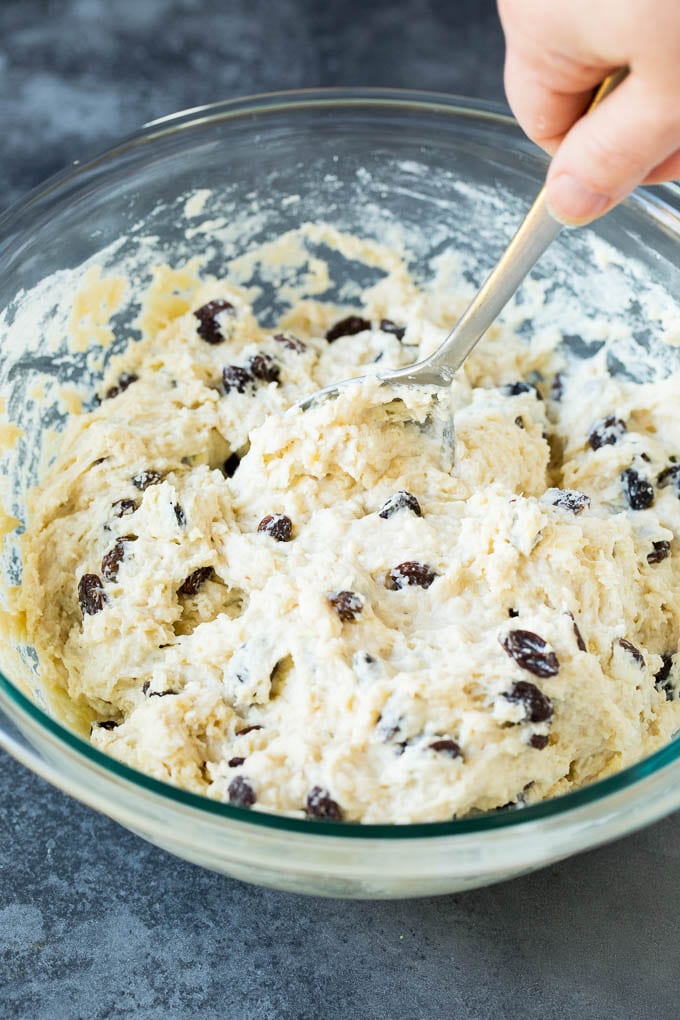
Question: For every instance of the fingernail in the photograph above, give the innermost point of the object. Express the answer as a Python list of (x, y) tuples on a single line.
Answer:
[(572, 202)]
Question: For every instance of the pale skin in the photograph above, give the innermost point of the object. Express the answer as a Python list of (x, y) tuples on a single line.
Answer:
[(558, 51)]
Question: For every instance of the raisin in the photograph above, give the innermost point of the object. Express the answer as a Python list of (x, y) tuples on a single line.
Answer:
[(248, 729), (513, 613), (230, 465), (514, 389), (387, 326), (606, 432), (263, 367), (537, 705), (539, 741), (571, 499), (347, 604), (634, 652), (124, 507), (291, 342), (278, 526), (411, 572), (557, 387), (579, 636), (446, 746), (660, 551), (125, 379), (234, 763), (208, 328), (91, 594), (320, 804), (236, 378), (112, 559), (661, 679), (195, 581), (669, 476), (529, 651), (241, 793), (401, 500), (144, 479), (519, 422), (106, 724), (638, 491), (180, 516), (347, 327)]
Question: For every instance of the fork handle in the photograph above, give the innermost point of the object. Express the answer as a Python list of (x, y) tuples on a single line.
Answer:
[(536, 232)]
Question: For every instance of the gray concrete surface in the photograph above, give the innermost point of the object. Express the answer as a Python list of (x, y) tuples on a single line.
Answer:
[(95, 923)]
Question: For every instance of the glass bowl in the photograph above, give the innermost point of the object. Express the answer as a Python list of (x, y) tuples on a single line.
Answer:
[(439, 170)]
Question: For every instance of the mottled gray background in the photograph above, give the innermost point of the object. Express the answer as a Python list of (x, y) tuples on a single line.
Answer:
[(95, 923)]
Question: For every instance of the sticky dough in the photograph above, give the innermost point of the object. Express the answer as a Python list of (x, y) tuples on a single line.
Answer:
[(255, 680)]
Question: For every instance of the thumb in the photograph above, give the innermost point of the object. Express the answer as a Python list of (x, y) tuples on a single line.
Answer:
[(611, 150)]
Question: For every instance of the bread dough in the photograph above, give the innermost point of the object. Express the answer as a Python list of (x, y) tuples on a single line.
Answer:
[(404, 638)]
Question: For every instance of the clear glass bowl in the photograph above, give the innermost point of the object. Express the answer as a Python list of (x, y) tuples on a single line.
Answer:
[(451, 173)]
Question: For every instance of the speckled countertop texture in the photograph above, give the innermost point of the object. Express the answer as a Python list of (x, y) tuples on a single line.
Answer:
[(94, 922)]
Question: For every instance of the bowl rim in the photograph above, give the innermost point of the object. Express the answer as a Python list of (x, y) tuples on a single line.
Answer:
[(662, 204)]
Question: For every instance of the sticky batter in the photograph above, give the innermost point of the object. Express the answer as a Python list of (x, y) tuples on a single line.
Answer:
[(321, 613)]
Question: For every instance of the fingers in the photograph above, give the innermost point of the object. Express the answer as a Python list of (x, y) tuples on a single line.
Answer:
[(668, 170), (546, 105), (633, 134)]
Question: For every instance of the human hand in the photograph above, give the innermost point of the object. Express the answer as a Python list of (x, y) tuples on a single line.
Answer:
[(557, 52)]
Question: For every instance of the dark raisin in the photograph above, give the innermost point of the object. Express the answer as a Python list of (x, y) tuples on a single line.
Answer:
[(387, 326), (278, 526), (579, 636), (91, 594), (669, 476), (514, 389), (571, 499), (106, 724), (291, 342), (347, 327), (144, 479), (513, 613), (247, 729), (180, 516), (124, 507), (125, 379), (557, 387), (112, 559), (411, 572), (519, 422), (401, 500), (634, 652), (241, 793), (347, 604), (539, 741), (263, 367), (606, 432), (449, 747), (661, 679), (145, 686), (234, 763), (529, 651), (236, 378), (638, 491), (660, 551), (537, 705), (208, 328), (320, 804), (195, 581), (230, 465)]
